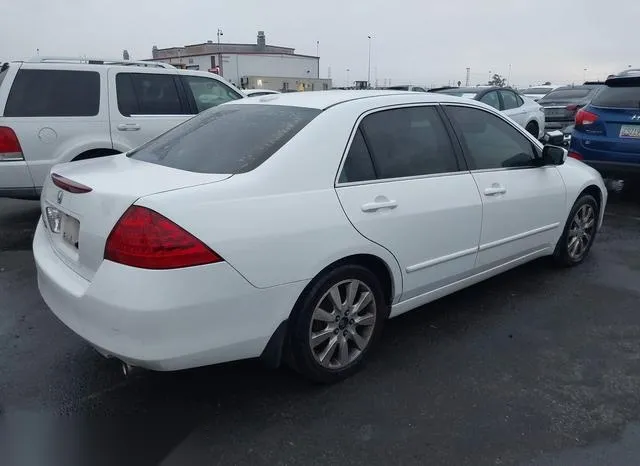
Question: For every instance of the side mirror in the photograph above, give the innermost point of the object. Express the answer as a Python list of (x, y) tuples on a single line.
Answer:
[(554, 155), (555, 138)]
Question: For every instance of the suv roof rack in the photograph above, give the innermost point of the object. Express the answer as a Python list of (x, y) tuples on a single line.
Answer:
[(100, 61)]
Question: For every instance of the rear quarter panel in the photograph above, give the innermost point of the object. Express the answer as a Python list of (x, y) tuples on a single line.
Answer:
[(281, 222)]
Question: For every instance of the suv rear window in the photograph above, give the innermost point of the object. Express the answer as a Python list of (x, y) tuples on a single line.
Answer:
[(226, 139), (54, 93), (618, 97)]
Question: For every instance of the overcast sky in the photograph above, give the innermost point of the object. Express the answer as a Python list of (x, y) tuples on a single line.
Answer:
[(418, 41)]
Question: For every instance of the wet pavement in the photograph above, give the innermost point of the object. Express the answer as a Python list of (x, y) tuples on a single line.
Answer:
[(538, 366)]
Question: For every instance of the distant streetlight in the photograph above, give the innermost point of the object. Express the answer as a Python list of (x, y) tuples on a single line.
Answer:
[(584, 75), (318, 55), (220, 33), (369, 71), (348, 82)]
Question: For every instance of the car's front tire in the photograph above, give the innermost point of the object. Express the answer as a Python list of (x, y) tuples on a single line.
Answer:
[(533, 129), (579, 232), (336, 324)]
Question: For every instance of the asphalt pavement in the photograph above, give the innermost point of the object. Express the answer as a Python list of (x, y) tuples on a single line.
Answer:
[(538, 366)]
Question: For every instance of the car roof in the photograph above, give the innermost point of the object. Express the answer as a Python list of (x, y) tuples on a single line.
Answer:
[(325, 99), (579, 87), (322, 100)]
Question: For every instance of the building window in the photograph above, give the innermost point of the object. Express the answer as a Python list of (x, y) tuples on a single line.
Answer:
[(190, 61)]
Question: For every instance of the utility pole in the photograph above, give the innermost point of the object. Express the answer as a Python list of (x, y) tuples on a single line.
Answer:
[(466, 81), (509, 76), (220, 33), (348, 82), (369, 71), (318, 55)]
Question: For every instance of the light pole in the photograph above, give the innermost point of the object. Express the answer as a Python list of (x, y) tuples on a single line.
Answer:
[(318, 55), (584, 75), (369, 71), (220, 33), (348, 82)]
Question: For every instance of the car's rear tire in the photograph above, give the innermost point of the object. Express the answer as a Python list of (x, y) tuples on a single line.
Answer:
[(336, 323), (579, 232), (533, 129)]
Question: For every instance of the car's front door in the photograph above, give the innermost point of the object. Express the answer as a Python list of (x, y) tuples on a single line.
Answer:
[(523, 203), (144, 105), (402, 186)]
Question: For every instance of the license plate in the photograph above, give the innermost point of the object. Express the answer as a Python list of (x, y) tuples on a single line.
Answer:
[(630, 131), (553, 112), (71, 231)]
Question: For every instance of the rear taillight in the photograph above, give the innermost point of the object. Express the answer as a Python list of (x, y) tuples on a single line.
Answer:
[(69, 185), (585, 118), (575, 155), (10, 150), (145, 239)]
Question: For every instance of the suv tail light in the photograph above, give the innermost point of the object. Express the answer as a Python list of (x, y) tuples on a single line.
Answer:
[(145, 239), (69, 185), (10, 150), (584, 118)]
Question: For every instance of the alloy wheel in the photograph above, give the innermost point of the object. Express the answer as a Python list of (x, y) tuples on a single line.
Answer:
[(342, 324), (581, 232)]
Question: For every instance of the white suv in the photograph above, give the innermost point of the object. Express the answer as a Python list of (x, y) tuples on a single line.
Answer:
[(55, 110)]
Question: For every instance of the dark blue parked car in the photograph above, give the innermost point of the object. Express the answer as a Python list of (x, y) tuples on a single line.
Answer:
[(607, 130)]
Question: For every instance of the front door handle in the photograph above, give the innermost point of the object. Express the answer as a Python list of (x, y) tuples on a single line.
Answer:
[(379, 204), (129, 127), (495, 190)]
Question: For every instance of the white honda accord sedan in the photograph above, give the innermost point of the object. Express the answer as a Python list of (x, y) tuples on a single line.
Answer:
[(290, 227)]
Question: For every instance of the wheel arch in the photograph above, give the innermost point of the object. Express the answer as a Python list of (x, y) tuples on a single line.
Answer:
[(94, 153)]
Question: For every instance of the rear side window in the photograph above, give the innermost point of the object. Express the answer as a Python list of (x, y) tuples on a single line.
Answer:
[(148, 94), (54, 93), (227, 139), (618, 97), (409, 141), (358, 165), (509, 100)]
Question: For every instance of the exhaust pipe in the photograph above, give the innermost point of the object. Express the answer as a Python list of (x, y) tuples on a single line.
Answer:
[(128, 370)]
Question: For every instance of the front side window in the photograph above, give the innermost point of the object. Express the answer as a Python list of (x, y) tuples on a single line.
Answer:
[(229, 139), (491, 98), (408, 141), (208, 92), (509, 100), (489, 142), (54, 93), (148, 94)]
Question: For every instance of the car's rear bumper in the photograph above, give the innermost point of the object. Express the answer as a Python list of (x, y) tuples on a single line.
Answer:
[(164, 320), (16, 181)]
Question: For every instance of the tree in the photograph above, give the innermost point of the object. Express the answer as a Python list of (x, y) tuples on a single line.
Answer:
[(497, 80)]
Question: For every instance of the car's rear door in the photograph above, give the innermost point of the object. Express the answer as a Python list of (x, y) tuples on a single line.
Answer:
[(143, 105), (403, 186), (513, 107), (523, 204)]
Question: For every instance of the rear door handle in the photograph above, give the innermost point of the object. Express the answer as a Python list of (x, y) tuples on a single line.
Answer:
[(129, 127), (377, 205), (495, 190)]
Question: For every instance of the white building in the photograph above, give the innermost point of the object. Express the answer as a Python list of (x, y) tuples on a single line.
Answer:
[(242, 63)]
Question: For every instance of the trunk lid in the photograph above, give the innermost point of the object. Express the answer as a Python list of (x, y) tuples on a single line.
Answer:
[(79, 224)]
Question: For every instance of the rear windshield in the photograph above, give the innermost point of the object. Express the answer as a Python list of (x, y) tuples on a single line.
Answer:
[(566, 94), (226, 139), (536, 90), (398, 88), (618, 97)]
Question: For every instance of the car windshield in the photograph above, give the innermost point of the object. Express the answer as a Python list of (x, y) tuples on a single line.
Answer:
[(567, 94), (226, 139), (618, 97)]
